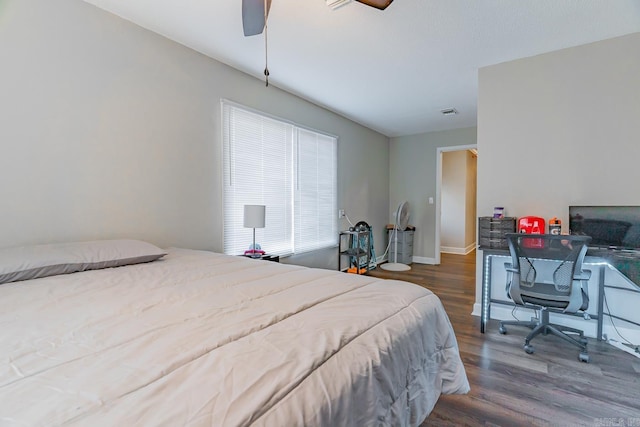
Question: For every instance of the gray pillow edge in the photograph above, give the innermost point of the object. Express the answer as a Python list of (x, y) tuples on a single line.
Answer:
[(66, 268)]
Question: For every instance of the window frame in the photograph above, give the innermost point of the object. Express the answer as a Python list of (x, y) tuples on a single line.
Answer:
[(234, 226)]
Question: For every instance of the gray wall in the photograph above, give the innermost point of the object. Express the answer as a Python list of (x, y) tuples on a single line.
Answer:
[(108, 130), (413, 176), (560, 129)]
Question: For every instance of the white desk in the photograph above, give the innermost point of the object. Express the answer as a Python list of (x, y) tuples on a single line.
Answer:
[(603, 276)]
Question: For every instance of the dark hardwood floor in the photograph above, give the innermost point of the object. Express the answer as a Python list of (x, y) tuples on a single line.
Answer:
[(512, 388)]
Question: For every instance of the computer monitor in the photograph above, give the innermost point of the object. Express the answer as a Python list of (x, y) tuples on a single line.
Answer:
[(616, 227)]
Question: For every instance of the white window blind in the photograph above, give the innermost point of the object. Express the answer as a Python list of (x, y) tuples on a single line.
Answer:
[(315, 208), (290, 170)]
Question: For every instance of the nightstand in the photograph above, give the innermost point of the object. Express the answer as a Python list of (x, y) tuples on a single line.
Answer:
[(267, 257)]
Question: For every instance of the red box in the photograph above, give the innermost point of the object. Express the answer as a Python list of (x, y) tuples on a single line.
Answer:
[(532, 225)]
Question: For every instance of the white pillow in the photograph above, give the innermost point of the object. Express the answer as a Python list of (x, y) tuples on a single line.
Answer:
[(32, 262)]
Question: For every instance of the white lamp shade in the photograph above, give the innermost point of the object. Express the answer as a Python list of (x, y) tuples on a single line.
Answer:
[(254, 216)]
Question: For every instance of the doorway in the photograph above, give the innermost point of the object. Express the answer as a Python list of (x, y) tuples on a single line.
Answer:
[(456, 178)]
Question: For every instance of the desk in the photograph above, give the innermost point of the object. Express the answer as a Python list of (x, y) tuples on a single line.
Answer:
[(626, 263), (598, 264), (487, 258)]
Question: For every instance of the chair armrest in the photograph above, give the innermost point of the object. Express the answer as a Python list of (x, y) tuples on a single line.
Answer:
[(582, 275), (509, 267)]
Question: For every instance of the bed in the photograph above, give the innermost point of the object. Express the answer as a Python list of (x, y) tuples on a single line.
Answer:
[(195, 338)]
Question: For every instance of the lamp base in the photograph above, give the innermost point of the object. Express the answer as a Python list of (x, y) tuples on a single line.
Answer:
[(253, 253)]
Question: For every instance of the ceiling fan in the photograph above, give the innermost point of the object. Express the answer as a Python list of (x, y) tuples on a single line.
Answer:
[(254, 14), (378, 4)]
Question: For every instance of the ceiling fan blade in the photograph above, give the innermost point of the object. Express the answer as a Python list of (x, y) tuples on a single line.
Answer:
[(378, 4), (253, 16)]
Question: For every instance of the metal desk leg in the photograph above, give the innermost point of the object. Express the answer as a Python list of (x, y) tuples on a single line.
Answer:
[(485, 310), (600, 302)]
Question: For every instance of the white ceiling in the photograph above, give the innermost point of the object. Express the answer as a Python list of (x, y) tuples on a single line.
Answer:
[(393, 70)]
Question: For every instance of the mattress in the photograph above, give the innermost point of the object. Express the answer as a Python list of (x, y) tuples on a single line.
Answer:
[(201, 339)]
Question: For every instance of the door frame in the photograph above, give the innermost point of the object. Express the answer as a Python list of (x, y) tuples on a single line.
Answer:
[(440, 151)]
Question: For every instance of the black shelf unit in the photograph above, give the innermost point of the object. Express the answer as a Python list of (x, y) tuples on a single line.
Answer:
[(355, 247)]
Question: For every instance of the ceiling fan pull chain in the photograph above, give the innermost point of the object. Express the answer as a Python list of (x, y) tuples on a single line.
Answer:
[(266, 56)]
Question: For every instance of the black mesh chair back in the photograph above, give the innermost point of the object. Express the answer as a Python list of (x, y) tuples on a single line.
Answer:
[(547, 270), (546, 274)]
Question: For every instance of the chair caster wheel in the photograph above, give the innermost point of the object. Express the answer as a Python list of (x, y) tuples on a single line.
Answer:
[(502, 330), (529, 349), (584, 357)]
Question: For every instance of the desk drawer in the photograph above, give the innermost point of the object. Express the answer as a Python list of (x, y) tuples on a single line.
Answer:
[(494, 243), (505, 225), (491, 231)]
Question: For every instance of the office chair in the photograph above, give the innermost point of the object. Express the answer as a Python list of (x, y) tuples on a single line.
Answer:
[(545, 274)]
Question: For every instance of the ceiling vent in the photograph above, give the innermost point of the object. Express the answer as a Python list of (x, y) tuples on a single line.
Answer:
[(449, 112), (334, 4)]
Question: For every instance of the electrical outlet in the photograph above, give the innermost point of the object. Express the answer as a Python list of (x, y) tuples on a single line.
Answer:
[(341, 213)]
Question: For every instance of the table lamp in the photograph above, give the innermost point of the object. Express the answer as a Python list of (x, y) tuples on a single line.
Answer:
[(254, 218)]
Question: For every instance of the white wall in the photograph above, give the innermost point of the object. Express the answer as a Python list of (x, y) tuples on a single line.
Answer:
[(458, 202), (109, 130), (454, 197), (413, 177), (471, 219), (560, 129)]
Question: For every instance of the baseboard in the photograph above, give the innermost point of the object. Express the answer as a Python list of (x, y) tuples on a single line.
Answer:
[(477, 309), (423, 260), (457, 251), (623, 347), (416, 259), (451, 250), (621, 332)]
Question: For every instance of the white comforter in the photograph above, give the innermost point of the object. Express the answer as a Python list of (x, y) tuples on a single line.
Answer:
[(204, 339)]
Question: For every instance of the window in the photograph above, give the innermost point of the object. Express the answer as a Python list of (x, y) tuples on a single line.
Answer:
[(291, 170)]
